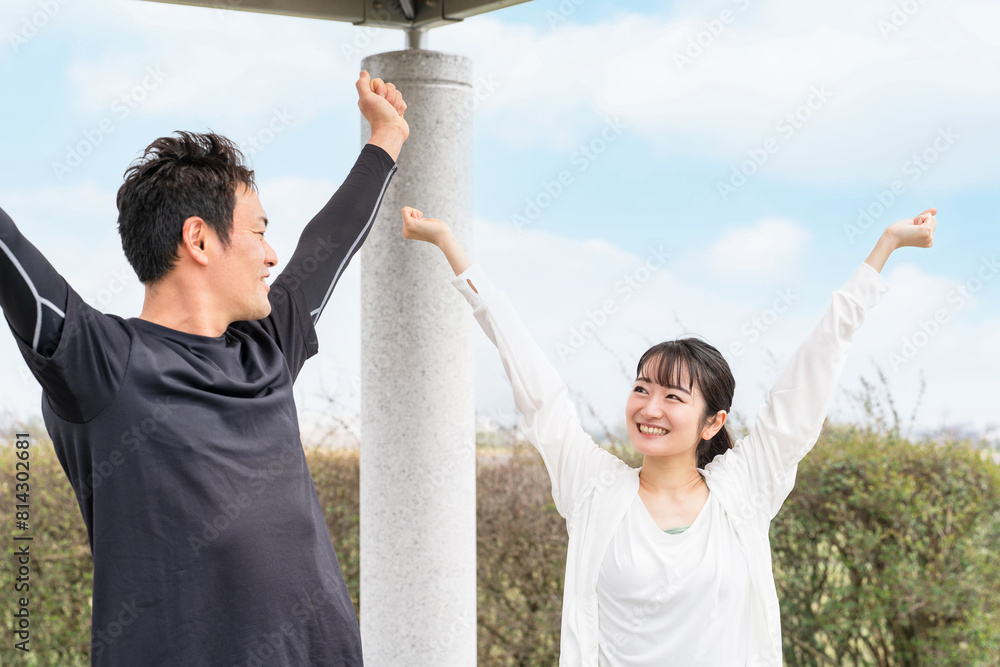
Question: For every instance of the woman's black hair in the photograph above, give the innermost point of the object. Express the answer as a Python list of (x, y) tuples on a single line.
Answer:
[(665, 364)]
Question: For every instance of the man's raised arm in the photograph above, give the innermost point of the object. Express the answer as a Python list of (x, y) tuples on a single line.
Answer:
[(32, 293), (336, 233)]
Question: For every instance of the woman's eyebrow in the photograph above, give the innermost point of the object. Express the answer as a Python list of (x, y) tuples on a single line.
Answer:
[(643, 378)]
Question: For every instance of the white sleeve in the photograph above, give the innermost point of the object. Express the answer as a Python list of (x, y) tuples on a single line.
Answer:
[(548, 418), (789, 422)]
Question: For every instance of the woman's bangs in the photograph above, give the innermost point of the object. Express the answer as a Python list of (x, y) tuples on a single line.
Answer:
[(669, 367)]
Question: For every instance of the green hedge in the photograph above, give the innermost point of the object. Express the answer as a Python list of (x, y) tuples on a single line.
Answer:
[(884, 554), (61, 568)]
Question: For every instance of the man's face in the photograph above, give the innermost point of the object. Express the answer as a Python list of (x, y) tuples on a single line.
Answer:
[(241, 269)]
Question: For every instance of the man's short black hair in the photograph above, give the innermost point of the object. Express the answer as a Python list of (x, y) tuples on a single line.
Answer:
[(177, 177)]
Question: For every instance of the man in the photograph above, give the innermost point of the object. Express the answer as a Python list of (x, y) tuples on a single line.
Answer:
[(178, 429)]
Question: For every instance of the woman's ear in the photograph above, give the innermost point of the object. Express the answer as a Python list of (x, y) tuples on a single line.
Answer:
[(715, 425)]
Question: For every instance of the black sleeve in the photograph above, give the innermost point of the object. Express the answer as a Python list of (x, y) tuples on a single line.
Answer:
[(86, 368), (32, 294), (76, 353), (332, 238), (289, 324)]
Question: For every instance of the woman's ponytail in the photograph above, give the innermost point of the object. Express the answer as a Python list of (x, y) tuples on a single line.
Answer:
[(720, 443)]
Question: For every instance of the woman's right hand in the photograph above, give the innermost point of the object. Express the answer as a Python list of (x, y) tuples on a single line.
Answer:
[(915, 232), (419, 228), (432, 230)]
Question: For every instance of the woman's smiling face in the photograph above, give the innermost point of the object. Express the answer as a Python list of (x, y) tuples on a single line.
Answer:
[(664, 420)]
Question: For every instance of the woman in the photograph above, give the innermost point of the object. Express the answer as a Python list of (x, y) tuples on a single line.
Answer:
[(670, 564)]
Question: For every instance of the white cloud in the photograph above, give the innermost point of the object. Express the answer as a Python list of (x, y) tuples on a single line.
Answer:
[(884, 98), (762, 251), (213, 63), (64, 223)]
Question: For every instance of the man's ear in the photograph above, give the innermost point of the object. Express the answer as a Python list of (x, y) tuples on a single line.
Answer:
[(194, 235)]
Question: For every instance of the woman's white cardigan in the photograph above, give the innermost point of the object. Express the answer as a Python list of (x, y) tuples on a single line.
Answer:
[(592, 488)]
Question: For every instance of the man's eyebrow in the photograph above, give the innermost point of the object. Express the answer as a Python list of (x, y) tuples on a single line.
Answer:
[(643, 378)]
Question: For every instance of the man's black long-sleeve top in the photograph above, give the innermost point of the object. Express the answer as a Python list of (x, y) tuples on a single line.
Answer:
[(210, 548)]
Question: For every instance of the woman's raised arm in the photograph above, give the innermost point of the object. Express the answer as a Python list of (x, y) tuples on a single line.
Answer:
[(548, 418), (787, 425)]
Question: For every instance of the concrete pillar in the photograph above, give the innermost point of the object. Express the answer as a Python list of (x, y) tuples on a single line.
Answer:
[(418, 469)]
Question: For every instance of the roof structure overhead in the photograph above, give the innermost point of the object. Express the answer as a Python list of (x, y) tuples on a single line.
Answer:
[(402, 14)]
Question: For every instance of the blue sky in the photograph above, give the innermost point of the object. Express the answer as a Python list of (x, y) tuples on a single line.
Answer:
[(812, 113)]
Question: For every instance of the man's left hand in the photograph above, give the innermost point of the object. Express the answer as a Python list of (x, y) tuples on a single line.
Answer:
[(383, 107)]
